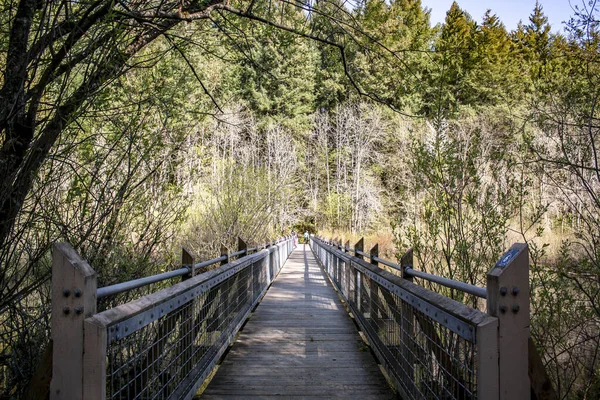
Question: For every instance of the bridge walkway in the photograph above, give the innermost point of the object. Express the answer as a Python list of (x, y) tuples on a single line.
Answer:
[(299, 343)]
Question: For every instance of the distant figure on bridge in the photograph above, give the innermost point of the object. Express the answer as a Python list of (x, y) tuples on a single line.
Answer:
[(305, 237)]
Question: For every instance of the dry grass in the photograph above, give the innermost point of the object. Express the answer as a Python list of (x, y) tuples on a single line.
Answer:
[(384, 238), (542, 236)]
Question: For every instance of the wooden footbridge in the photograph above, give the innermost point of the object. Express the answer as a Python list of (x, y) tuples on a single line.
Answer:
[(294, 321)]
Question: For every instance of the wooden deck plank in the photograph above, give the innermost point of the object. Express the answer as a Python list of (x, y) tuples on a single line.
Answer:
[(300, 343)]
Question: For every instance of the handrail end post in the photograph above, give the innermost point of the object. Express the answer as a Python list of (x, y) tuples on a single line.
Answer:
[(508, 300), (74, 286)]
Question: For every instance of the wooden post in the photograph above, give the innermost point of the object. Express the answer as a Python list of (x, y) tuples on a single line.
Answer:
[(94, 360), (355, 277), (340, 271), (374, 252), (187, 260), (359, 246), (487, 359), (242, 246), (406, 261), (408, 321), (508, 300), (187, 317), (224, 252), (373, 289), (215, 321), (73, 299)]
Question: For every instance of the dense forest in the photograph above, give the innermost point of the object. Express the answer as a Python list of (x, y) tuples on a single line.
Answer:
[(131, 128)]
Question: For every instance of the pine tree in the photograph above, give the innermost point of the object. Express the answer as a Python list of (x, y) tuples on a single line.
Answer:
[(393, 69), (535, 42), (275, 74), (494, 73), (332, 86), (454, 61)]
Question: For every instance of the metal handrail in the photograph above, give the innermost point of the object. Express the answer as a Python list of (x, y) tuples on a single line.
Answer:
[(136, 283), (148, 280), (450, 283), (210, 262), (410, 271)]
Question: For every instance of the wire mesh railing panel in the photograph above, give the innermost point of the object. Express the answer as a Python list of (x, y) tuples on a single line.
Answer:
[(429, 359), (426, 349), (167, 356), (165, 345)]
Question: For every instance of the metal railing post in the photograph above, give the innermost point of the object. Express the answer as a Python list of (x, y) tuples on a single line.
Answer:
[(508, 300), (73, 299)]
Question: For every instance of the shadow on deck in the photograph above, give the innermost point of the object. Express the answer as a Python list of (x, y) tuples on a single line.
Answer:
[(299, 343)]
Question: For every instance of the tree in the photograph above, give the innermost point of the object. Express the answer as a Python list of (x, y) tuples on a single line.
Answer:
[(402, 26), (534, 42), (60, 56), (461, 174), (564, 145), (277, 81), (454, 61), (494, 78)]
